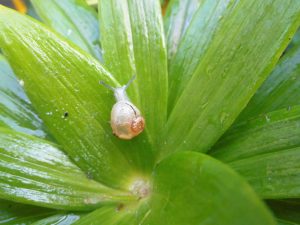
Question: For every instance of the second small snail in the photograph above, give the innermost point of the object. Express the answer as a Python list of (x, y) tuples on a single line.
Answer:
[(126, 119)]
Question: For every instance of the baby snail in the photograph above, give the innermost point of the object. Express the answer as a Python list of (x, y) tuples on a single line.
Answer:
[(126, 120)]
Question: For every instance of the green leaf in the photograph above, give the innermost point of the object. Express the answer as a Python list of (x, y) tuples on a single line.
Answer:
[(109, 216), (220, 89), (14, 213), (283, 222), (133, 43), (176, 21), (192, 45), (73, 19), (60, 219), (63, 85), (15, 109), (286, 210), (272, 132), (33, 171), (280, 90), (272, 175), (212, 193)]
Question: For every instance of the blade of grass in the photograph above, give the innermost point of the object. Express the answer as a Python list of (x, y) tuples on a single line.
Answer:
[(230, 71), (272, 132), (33, 171), (73, 19), (63, 86), (15, 108), (280, 90), (272, 175)]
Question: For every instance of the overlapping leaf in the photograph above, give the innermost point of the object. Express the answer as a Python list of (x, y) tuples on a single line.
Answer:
[(230, 71), (281, 89), (15, 109), (63, 85), (74, 19), (133, 43), (35, 172)]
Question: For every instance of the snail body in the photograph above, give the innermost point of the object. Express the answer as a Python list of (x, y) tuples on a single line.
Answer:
[(126, 119)]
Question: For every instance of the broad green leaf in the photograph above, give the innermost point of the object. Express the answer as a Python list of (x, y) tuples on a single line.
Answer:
[(191, 46), (33, 171), (108, 216), (63, 85), (272, 175), (176, 21), (14, 213), (252, 34), (15, 109), (190, 188), (280, 90), (286, 210), (59, 219), (133, 43), (74, 19), (193, 187), (118, 56), (272, 132)]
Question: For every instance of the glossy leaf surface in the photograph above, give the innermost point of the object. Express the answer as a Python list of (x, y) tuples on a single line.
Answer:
[(59, 219), (35, 172), (176, 21), (220, 89), (133, 43), (280, 90), (63, 85), (15, 109), (272, 175), (74, 19), (212, 194), (272, 132)]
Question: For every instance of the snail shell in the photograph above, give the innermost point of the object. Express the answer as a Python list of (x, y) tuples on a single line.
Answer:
[(126, 120)]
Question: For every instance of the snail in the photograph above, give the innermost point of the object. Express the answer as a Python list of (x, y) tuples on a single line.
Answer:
[(126, 119)]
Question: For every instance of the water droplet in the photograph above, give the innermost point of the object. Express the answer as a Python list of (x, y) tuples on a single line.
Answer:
[(69, 32), (267, 118), (76, 159), (21, 82), (224, 116), (49, 113)]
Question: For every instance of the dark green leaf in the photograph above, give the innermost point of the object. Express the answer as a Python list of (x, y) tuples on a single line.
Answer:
[(15, 109), (176, 21), (280, 90), (33, 171), (63, 85), (133, 43), (14, 213), (286, 210), (244, 48), (74, 19), (272, 175), (271, 132)]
